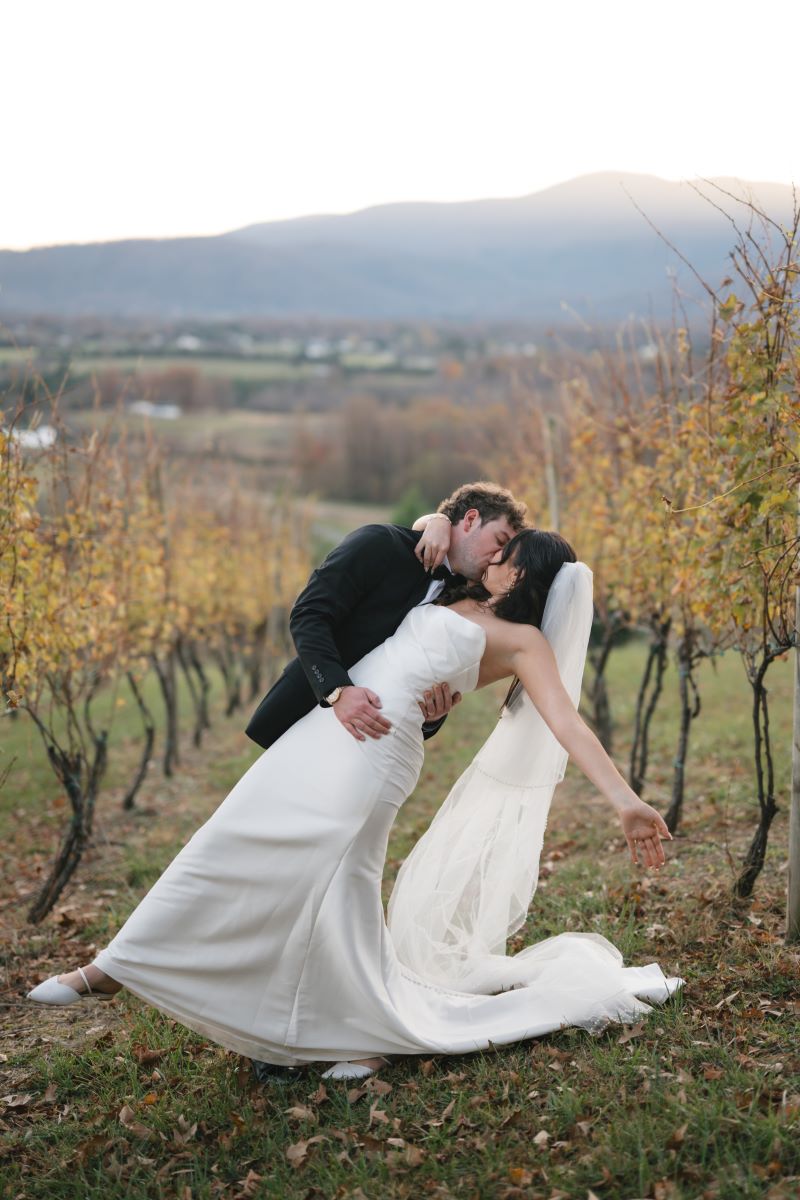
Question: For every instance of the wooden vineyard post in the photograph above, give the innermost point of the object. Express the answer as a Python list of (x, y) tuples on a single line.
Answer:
[(793, 894)]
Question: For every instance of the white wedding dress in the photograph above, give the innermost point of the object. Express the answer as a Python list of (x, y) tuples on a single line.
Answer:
[(267, 933)]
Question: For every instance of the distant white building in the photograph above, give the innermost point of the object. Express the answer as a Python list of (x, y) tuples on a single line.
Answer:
[(41, 438), (319, 348), (162, 412), (188, 341), (648, 352)]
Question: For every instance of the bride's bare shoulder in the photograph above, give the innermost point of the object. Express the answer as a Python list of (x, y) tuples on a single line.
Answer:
[(506, 638), (516, 637)]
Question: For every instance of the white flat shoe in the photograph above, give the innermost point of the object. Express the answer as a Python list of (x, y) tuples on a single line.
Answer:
[(53, 992), (348, 1070)]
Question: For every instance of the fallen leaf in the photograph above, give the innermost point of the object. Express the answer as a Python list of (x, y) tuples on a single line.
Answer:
[(185, 1132), (379, 1086), (631, 1032), (727, 999), (299, 1112), (127, 1118), (677, 1137), (249, 1184), (377, 1114), (411, 1156), (663, 1189), (520, 1176), (541, 1138), (145, 1057), (297, 1153), (17, 1100), (88, 1148)]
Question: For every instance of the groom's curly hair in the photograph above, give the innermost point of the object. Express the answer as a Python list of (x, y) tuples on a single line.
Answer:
[(491, 501)]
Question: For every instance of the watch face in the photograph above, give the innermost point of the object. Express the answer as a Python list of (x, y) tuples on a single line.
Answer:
[(334, 696)]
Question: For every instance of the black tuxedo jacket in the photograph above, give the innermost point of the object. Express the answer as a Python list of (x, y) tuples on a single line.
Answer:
[(351, 604)]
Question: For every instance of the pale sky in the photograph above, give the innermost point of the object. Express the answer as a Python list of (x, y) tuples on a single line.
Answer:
[(168, 118)]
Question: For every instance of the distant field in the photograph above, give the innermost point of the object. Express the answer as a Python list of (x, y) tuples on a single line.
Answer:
[(234, 434), (274, 428), (16, 354), (249, 370), (258, 368), (252, 370)]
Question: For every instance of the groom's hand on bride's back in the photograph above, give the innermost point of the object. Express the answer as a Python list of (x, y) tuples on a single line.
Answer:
[(358, 710)]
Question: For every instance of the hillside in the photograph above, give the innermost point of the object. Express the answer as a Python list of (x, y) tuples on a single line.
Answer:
[(582, 244)]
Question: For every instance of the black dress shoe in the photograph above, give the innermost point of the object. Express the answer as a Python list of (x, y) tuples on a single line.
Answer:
[(269, 1073)]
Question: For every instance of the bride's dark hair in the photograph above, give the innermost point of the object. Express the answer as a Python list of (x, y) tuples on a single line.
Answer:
[(538, 555)]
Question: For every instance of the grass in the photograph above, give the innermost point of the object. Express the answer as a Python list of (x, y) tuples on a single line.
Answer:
[(701, 1099)]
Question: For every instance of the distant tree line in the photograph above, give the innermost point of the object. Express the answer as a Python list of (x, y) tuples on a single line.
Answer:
[(377, 452)]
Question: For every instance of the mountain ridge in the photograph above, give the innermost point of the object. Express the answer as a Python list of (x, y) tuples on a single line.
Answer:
[(575, 244)]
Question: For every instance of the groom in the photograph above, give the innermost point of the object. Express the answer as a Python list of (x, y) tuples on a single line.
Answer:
[(357, 598)]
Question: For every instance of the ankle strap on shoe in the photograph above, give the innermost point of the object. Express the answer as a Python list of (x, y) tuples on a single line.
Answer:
[(82, 974)]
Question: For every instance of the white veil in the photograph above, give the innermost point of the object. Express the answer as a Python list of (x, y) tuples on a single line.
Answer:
[(467, 884)]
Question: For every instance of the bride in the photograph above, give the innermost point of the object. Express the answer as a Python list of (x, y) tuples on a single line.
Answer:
[(267, 934)]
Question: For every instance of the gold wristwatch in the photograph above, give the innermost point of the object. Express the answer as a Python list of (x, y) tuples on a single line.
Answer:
[(334, 696)]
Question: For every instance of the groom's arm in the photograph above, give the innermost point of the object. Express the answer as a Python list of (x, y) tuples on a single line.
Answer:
[(351, 571)]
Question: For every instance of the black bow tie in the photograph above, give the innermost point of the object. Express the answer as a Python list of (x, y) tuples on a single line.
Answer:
[(442, 572)]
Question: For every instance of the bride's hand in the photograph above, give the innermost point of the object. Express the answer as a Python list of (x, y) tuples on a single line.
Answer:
[(644, 828), (438, 702), (432, 547)]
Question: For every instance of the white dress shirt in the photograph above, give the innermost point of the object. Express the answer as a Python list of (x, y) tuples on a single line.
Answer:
[(436, 586)]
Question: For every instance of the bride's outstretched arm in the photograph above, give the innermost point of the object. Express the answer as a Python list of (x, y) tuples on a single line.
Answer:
[(536, 667)]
